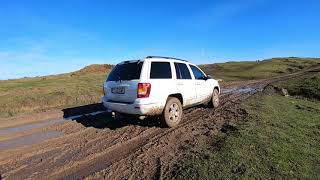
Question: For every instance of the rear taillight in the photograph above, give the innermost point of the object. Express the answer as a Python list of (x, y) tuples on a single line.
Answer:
[(144, 90)]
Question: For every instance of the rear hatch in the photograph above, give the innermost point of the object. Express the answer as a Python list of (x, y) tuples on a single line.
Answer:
[(122, 83)]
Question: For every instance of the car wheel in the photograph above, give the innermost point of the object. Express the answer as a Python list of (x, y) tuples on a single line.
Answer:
[(172, 113), (215, 99)]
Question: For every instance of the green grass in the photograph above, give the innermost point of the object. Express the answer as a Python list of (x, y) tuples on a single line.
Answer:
[(250, 70), (45, 93), (304, 86), (280, 139)]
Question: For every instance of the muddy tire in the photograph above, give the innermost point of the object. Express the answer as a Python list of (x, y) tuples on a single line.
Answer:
[(214, 99), (172, 113)]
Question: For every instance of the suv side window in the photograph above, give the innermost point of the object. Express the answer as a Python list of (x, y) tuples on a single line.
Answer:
[(182, 71), (197, 73), (160, 70)]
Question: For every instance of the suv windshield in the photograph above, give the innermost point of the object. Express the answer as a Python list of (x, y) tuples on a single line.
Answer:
[(126, 71)]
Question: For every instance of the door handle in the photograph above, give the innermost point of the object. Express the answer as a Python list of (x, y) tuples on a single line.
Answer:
[(180, 84), (198, 83)]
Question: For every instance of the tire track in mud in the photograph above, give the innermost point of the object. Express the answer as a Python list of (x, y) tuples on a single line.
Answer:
[(118, 151), (71, 150), (103, 159)]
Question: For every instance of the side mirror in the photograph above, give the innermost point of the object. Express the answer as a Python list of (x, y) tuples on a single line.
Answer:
[(209, 77), (205, 78)]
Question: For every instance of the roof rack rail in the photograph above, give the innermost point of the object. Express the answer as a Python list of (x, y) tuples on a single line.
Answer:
[(166, 58)]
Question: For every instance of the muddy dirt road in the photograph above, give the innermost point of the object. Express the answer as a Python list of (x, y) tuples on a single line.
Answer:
[(96, 146)]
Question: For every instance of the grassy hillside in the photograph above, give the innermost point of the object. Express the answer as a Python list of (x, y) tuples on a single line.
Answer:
[(45, 93), (249, 70), (84, 86)]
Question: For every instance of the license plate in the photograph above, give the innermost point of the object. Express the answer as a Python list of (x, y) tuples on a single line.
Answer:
[(118, 90)]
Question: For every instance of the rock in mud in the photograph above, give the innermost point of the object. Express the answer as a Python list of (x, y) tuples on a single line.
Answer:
[(284, 92), (270, 89)]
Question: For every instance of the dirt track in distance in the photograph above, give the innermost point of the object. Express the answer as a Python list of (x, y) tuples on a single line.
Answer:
[(96, 146)]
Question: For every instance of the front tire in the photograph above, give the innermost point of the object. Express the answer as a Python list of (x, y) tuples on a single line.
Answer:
[(172, 113)]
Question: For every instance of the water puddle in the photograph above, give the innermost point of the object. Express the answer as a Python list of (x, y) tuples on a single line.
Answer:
[(29, 127), (28, 140), (78, 116), (239, 90)]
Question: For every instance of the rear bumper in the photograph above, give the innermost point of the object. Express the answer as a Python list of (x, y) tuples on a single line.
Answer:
[(136, 108)]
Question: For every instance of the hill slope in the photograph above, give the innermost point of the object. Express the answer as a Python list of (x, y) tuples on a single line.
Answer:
[(49, 92), (84, 86), (249, 70), (94, 69)]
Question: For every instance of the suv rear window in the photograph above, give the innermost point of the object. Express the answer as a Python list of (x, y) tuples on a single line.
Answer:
[(160, 70), (126, 71), (182, 71)]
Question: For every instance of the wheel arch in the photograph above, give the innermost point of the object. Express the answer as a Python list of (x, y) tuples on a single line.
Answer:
[(178, 96), (217, 88)]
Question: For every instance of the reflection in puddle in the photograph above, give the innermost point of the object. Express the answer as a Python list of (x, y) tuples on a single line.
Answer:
[(28, 140), (239, 90), (29, 127)]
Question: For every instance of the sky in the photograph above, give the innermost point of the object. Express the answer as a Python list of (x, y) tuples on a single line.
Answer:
[(42, 37)]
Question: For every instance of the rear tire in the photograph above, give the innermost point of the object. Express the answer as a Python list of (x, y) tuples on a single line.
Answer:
[(172, 113), (214, 99)]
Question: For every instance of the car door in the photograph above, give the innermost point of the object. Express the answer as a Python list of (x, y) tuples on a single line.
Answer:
[(203, 88), (161, 79), (185, 83)]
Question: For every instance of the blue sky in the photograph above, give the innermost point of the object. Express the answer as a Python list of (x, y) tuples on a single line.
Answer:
[(40, 37)]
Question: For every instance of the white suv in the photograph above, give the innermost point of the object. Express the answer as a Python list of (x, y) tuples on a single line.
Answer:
[(158, 86)]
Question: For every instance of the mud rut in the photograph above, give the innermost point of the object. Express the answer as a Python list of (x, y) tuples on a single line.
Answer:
[(126, 149)]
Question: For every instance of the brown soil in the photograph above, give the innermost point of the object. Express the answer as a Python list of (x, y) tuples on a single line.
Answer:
[(99, 147), (95, 68), (29, 118)]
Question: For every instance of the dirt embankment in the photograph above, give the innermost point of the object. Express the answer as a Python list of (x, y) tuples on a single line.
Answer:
[(96, 146), (94, 69)]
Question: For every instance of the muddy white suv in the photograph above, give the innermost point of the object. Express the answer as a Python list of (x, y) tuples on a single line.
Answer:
[(158, 86)]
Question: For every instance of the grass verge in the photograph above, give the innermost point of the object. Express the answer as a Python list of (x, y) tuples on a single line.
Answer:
[(279, 139), (44, 93), (305, 86)]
